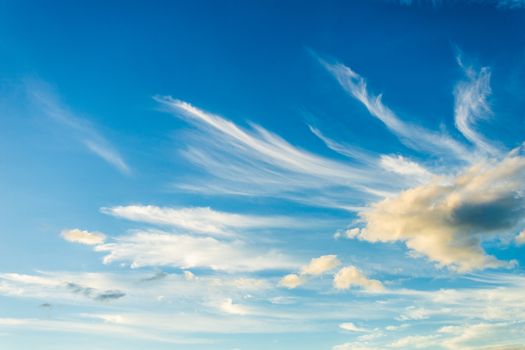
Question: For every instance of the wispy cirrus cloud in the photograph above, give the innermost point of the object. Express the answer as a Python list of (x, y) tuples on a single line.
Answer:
[(203, 220), (471, 105), (53, 286), (258, 162), (437, 217), (413, 136), (158, 248), (47, 102)]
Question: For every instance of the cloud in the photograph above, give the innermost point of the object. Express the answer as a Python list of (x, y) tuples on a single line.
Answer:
[(291, 281), (471, 105), (93, 328), (189, 276), (447, 219), (354, 346), (56, 286), (350, 276), (200, 220), (157, 248), (92, 293), (520, 238), (415, 342), (320, 265), (156, 277), (83, 237), (229, 307), (47, 102), (349, 326), (401, 165), (254, 161), (412, 136), (316, 267)]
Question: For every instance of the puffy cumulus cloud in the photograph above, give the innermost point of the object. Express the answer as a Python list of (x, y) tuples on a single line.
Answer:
[(316, 267), (157, 248), (83, 237), (447, 219), (350, 276), (291, 281), (321, 265)]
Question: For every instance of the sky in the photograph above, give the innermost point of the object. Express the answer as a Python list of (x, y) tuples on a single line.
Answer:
[(248, 175)]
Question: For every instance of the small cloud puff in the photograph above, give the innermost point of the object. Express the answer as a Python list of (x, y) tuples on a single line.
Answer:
[(83, 237), (320, 265), (291, 281), (349, 326), (316, 267), (350, 276)]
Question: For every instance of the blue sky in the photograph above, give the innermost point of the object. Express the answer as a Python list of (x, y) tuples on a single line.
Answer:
[(262, 175)]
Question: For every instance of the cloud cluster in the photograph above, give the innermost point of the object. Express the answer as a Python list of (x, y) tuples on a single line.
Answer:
[(316, 267), (445, 218), (211, 241)]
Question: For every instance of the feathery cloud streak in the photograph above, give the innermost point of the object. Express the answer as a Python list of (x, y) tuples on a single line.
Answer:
[(48, 103)]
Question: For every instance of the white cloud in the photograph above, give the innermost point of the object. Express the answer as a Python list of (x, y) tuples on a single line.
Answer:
[(83, 237), (350, 276), (320, 265), (401, 165), (447, 219), (189, 276), (201, 220), (471, 105), (93, 328), (354, 346), (157, 248), (316, 267), (349, 326), (415, 342), (412, 135), (291, 281), (257, 162), (229, 307)]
